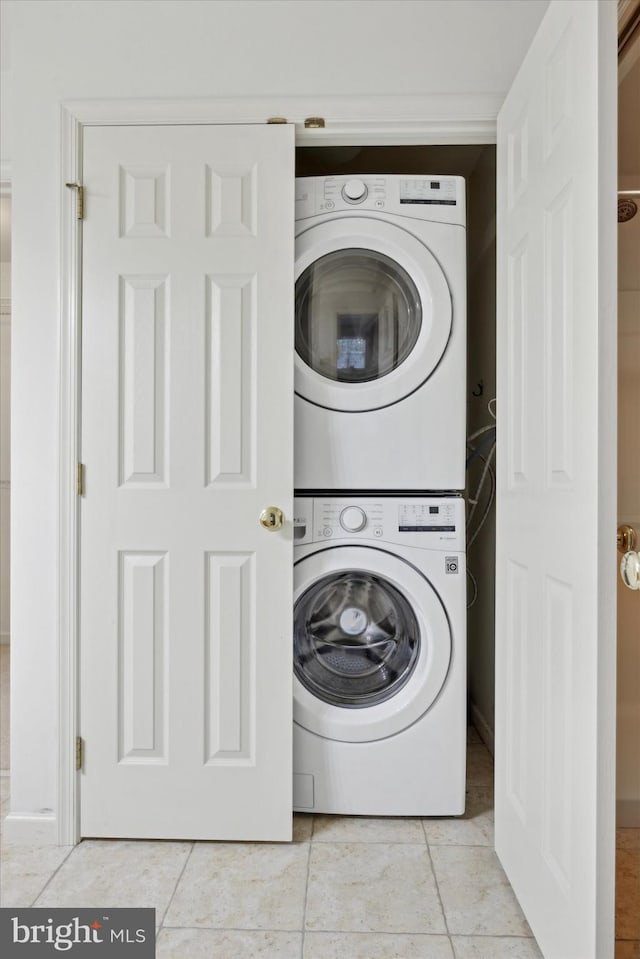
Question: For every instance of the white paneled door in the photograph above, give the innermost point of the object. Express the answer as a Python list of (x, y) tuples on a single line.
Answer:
[(186, 437), (556, 566)]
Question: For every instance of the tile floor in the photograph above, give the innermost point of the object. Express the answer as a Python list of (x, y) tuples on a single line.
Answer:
[(346, 888)]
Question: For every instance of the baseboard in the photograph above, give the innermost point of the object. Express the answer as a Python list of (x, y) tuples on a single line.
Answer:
[(30, 829), (484, 729), (628, 813)]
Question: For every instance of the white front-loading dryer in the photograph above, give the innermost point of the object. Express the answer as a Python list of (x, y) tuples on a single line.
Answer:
[(380, 333), (379, 655)]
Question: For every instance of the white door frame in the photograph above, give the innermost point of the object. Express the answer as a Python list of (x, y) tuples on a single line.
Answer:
[(376, 120)]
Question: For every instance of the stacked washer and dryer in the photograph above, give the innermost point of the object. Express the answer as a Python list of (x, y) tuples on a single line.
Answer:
[(379, 549)]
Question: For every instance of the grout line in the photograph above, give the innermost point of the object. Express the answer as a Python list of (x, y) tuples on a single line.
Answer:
[(416, 844), (462, 845), (160, 925), (383, 934), (492, 935), (306, 890), (54, 873), (288, 932), (437, 885)]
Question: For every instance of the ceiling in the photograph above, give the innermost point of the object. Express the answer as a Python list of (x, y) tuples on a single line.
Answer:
[(531, 10)]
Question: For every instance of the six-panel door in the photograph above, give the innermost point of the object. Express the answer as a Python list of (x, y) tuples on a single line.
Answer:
[(187, 399)]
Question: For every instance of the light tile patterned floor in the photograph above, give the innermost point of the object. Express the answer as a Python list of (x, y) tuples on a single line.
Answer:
[(346, 888)]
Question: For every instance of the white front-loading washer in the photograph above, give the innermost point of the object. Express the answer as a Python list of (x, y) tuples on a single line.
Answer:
[(379, 655), (380, 333)]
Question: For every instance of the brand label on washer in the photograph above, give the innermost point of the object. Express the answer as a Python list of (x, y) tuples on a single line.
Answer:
[(451, 564)]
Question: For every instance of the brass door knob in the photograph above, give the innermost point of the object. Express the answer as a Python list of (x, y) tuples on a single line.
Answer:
[(630, 570), (626, 539), (272, 518)]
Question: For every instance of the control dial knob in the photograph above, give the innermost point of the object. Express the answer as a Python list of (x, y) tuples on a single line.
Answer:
[(353, 519), (354, 190)]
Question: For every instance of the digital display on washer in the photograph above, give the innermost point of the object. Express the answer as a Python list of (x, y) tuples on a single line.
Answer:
[(429, 192), (426, 529), (424, 518)]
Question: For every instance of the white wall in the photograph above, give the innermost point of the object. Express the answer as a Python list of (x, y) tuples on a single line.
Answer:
[(5, 412), (71, 49)]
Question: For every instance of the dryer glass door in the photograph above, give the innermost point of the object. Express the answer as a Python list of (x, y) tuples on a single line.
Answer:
[(373, 314), (358, 315), (356, 639)]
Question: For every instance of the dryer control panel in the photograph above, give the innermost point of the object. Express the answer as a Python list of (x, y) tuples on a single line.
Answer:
[(422, 197), (429, 522)]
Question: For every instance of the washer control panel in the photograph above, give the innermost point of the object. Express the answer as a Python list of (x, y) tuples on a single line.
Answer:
[(426, 197), (429, 522)]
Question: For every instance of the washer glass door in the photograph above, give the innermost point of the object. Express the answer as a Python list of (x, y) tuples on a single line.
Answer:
[(372, 643), (355, 639)]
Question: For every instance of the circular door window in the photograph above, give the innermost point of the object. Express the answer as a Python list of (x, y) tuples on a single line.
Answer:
[(355, 639), (372, 644), (357, 315), (373, 314)]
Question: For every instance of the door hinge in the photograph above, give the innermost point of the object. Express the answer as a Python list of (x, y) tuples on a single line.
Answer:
[(80, 202), (80, 479), (79, 753)]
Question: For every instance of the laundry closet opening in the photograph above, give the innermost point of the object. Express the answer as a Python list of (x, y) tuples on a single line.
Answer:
[(477, 164)]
